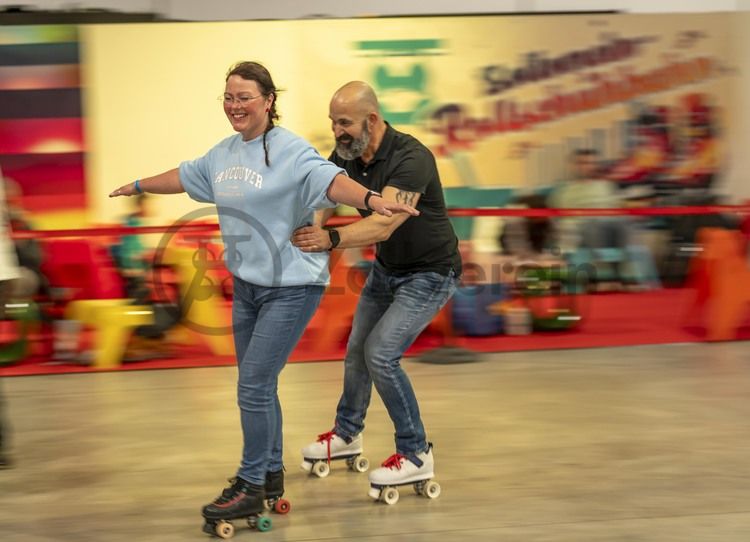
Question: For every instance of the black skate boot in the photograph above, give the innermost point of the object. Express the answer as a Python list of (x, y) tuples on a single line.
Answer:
[(240, 500), (274, 491)]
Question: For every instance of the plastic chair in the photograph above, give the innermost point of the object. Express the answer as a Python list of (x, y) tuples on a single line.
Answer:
[(113, 321), (202, 299), (84, 269)]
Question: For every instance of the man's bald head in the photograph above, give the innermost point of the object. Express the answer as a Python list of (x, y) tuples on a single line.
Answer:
[(356, 96), (356, 121)]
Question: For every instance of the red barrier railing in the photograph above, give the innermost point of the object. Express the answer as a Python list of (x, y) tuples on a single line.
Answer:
[(188, 227)]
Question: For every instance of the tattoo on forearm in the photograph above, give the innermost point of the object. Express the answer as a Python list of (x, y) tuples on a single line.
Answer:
[(403, 196)]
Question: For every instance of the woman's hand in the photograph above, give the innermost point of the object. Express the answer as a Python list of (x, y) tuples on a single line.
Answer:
[(387, 208), (125, 190)]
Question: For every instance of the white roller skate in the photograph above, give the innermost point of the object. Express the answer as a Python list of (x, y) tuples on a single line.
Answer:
[(398, 470), (317, 456)]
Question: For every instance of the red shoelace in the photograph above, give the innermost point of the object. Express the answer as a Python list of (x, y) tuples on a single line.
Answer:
[(394, 461), (327, 437)]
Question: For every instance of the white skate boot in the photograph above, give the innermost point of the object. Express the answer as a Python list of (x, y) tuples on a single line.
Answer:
[(317, 456), (398, 470)]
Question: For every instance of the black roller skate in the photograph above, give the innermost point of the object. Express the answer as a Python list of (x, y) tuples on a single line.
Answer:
[(274, 491), (240, 500)]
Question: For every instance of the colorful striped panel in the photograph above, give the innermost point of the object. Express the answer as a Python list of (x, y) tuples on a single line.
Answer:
[(41, 136), (34, 54), (37, 77), (44, 173), (41, 129), (10, 35), (44, 103)]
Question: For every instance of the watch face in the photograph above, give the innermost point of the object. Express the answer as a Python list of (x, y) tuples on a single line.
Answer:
[(335, 239)]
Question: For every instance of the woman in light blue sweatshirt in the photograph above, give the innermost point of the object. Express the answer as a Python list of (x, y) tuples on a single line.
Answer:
[(265, 182)]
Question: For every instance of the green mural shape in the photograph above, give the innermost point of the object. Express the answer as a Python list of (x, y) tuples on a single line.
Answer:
[(414, 80)]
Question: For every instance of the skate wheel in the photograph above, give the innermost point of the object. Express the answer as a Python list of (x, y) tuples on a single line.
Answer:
[(389, 495), (263, 524), (321, 469), (224, 529), (361, 464), (431, 490), (282, 506), (306, 466)]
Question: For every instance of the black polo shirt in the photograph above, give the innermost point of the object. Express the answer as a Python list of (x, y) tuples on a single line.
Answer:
[(423, 243)]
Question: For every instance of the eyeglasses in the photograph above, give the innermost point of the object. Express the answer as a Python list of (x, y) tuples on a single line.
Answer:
[(228, 99)]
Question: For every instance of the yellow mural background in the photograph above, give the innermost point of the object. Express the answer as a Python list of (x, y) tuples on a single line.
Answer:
[(151, 89)]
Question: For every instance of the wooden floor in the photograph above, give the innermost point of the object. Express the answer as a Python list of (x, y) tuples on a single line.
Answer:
[(624, 444)]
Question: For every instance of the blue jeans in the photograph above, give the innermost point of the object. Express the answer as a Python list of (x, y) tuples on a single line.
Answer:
[(268, 322), (391, 313)]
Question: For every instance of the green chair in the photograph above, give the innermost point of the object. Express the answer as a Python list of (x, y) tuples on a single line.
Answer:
[(472, 197), (26, 314), (459, 197)]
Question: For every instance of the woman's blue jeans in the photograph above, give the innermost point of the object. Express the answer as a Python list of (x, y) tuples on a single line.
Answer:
[(268, 322), (392, 312)]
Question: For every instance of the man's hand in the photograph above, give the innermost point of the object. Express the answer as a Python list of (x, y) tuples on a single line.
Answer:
[(312, 238)]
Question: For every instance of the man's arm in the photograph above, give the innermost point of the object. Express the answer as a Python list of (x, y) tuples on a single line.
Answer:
[(371, 229), (346, 190)]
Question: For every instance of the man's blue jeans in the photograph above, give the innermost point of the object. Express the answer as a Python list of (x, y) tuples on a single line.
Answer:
[(391, 313), (268, 322)]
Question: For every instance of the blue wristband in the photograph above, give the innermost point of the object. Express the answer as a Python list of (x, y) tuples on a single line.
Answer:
[(138, 186)]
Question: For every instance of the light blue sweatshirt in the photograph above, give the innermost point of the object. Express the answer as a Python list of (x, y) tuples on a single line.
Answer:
[(260, 206)]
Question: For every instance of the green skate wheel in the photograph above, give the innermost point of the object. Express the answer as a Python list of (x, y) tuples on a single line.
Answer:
[(263, 524)]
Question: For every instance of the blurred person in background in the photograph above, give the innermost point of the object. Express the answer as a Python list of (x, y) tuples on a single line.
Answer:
[(587, 190), (696, 160), (135, 263), (415, 273), (265, 182), (649, 155), (527, 237), (10, 273), (32, 281)]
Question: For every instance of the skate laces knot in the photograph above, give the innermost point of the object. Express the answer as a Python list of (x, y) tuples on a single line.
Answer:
[(327, 438), (394, 461)]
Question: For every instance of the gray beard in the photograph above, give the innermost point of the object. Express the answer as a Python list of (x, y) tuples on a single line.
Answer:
[(355, 148)]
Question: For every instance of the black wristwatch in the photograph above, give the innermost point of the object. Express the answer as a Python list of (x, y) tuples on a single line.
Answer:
[(333, 235), (370, 193)]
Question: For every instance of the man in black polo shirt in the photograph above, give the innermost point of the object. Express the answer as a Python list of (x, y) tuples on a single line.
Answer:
[(415, 273)]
